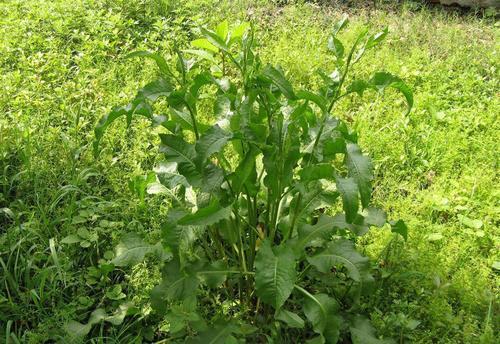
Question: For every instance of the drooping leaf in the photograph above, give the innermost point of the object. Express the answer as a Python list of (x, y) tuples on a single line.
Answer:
[(315, 235), (315, 98), (360, 169), (137, 106), (382, 80), (160, 61), (290, 318), (278, 78), (206, 216), (343, 252), (349, 191), (274, 274), (322, 311)]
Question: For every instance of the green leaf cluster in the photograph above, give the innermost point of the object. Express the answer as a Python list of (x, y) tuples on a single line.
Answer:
[(268, 190)]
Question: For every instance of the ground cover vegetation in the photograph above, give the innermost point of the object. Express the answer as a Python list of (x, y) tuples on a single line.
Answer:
[(94, 240)]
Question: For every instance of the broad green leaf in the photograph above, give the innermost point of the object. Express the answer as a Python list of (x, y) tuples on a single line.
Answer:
[(211, 142), (215, 40), (349, 191), (215, 274), (323, 313), (155, 89), (177, 150), (400, 228), (315, 235), (169, 176), (71, 239), (207, 216), (471, 223), (138, 106), (290, 318), (277, 77), (160, 61), (244, 170), (203, 54), (382, 80), (203, 43), (315, 98), (344, 253), (375, 217), (219, 333), (239, 31), (222, 30), (317, 171), (274, 274), (359, 86), (360, 169), (132, 249), (362, 332), (176, 285)]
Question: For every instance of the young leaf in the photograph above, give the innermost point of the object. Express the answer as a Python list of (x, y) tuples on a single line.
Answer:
[(340, 24), (360, 169), (274, 274), (349, 191), (336, 46), (344, 253), (375, 39)]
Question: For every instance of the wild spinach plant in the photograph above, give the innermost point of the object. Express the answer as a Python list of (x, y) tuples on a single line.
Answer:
[(267, 193)]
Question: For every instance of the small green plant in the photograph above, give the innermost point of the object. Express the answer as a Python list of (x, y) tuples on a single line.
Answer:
[(268, 192)]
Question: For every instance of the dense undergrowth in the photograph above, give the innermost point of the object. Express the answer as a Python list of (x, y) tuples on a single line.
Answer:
[(62, 65)]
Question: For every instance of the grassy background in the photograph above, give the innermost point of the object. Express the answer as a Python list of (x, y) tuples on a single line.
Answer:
[(62, 67)]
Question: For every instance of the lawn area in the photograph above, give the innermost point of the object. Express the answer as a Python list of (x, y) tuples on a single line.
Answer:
[(63, 66)]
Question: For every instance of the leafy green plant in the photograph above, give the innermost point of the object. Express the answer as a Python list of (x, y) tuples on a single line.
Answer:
[(268, 191)]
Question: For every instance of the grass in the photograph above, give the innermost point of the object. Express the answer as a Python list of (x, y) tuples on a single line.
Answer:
[(62, 67)]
